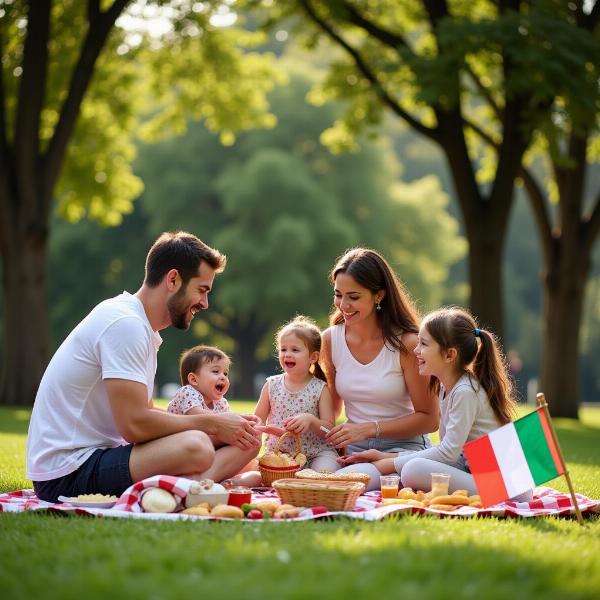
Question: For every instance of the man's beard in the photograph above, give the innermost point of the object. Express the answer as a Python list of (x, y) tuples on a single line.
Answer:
[(178, 310)]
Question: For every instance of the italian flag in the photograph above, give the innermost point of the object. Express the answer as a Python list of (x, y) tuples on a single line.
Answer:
[(514, 458)]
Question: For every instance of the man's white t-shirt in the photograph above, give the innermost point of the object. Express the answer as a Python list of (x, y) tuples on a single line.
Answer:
[(71, 416)]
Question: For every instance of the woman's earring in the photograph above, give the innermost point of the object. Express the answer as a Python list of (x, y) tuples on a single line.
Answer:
[(378, 305)]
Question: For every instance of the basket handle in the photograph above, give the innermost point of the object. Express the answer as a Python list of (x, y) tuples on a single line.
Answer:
[(294, 436)]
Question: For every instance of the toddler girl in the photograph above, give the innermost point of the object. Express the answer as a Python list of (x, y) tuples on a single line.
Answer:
[(469, 373), (298, 400)]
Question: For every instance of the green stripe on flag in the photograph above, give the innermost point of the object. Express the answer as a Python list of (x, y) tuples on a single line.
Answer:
[(536, 449)]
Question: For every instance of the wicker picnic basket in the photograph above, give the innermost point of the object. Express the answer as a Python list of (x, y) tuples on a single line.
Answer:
[(270, 474), (334, 495), (333, 476)]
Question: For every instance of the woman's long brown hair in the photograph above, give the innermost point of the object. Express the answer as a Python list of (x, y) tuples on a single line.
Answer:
[(398, 314)]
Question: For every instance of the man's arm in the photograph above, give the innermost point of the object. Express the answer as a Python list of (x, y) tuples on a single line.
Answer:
[(138, 423)]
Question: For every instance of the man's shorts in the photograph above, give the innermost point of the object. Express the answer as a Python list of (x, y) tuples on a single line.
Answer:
[(106, 471)]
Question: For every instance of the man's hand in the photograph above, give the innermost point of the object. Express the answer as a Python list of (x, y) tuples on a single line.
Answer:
[(270, 430), (236, 430), (254, 419)]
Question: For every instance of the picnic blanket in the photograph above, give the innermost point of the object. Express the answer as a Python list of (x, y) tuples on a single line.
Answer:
[(546, 502)]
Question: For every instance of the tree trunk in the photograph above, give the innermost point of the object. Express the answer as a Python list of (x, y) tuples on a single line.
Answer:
[(247, 334), (28, 177), (485, 218), (564, 290), (24, 288), (485, 276), (567, 246)]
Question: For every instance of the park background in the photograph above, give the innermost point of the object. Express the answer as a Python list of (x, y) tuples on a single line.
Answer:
[(262, 128), (459, 138)]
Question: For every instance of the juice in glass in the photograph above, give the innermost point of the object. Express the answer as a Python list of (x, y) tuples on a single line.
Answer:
[(389, 485), (439, 484)]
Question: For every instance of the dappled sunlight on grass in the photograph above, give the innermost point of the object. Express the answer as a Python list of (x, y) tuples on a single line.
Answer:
[(361, 541), (514, 547)]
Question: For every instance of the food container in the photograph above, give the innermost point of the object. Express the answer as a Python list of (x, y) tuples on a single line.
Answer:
[(206, 491), (334, 495), (239, 495), (270, 473)]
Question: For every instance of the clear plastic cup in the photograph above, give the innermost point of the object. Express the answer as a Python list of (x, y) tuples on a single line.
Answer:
[(439, 484), (389, 485)]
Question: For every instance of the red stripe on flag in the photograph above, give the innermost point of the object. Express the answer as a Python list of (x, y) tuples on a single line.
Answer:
[(485, 470), (550, 439)]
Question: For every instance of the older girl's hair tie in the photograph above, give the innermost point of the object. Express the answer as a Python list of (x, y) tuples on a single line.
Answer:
[(477, 332)]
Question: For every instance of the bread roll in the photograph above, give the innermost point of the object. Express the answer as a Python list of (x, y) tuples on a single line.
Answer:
[(157, 500), (444, 507), (198, 510), (408, 494), (227, 511), (449, 499)]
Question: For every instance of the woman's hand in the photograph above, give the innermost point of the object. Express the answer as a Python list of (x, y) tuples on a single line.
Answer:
[(299, 423), (348, 433), (366, 456)]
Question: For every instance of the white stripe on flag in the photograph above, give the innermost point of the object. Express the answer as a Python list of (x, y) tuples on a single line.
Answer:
[(511, 460)]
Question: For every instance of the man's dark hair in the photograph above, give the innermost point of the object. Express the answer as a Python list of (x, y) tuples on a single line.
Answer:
[(182, 251)]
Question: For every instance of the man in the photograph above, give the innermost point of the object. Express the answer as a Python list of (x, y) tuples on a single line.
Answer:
[(94, 428)]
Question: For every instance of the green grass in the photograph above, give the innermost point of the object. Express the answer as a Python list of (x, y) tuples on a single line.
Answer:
[(63, 557)]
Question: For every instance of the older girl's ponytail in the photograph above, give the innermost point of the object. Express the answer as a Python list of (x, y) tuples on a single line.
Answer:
[(491, 370)]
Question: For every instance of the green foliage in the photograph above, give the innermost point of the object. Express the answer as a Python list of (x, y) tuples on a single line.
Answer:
[(538, 54), (424, 206), (217, 79), (285, 231), (282, 207), (143, 84)]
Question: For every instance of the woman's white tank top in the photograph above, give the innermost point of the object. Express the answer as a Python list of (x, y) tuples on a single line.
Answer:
[(375, 391)]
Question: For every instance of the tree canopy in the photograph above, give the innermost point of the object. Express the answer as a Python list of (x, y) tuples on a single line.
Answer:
[(78, 81), (493, 84), (283, 207)]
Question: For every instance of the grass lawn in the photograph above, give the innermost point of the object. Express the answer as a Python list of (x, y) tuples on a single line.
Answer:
[(63, 557)]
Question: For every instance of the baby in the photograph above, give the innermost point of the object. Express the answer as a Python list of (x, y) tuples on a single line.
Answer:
[(204, 374)]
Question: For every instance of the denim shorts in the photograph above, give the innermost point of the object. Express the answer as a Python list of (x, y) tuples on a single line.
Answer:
[(419, 442), (106, 471)]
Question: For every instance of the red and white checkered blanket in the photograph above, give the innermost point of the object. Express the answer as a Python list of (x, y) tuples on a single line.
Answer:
[(547, 501)]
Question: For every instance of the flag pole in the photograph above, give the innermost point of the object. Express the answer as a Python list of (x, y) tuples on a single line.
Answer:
[(541, 400)]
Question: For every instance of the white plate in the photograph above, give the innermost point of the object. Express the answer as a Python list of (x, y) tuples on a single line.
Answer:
[(81, 504)]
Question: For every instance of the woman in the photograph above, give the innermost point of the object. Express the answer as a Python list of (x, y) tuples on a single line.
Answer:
[(368, 357)]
